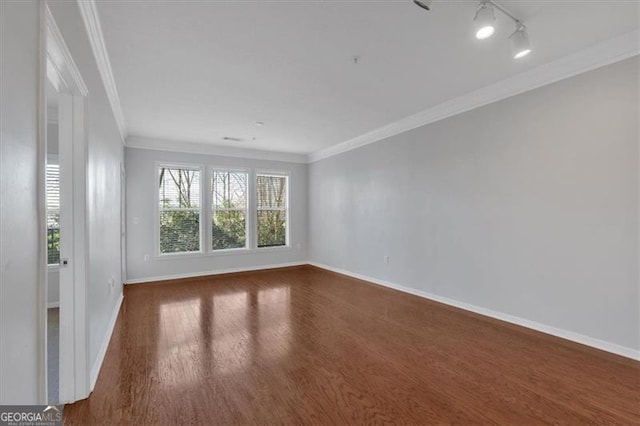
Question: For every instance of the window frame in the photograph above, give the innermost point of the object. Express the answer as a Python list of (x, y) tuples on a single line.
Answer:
[(206, 211), (287, 209), (209, 226), (188, 166)]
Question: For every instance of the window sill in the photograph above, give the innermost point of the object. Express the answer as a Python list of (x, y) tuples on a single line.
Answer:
[(53, 267), (216, 253)]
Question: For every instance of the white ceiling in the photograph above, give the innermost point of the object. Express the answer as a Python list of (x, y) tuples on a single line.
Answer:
[(200, 71)]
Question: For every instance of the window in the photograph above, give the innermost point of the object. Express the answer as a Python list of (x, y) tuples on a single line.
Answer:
[(53, 213), (229, 209), (203, 210), (272, 209), (179, 208)]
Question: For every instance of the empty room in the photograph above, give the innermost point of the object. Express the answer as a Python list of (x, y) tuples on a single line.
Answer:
[(340, 212)]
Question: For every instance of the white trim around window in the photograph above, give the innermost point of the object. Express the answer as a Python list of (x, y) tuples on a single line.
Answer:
[(287, 210), (209, 227), (206, 211), (183, 166)]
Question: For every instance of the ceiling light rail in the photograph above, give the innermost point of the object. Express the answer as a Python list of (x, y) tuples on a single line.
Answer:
[(484, 25), (504, 11)]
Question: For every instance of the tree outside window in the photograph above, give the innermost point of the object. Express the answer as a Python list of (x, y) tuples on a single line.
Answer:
[(179, 194), (272, 204), (229, 209)]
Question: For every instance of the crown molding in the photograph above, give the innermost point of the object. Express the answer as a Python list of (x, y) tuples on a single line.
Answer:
[(89, 12), (140, 142), (599, 55), (61, 68)]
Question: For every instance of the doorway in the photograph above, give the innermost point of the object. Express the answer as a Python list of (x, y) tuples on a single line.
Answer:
[(63, 220), (53, 246)]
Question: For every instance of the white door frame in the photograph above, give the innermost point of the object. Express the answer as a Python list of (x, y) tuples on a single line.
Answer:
[(123, 223), (62, 72)]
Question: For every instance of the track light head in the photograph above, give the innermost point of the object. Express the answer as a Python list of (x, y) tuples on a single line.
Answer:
[(484, 20), (520, 42), (484, 25)]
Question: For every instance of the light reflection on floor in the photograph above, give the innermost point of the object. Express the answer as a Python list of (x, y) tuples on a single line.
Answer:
[(222, 335), (274, 322), (179, 322)]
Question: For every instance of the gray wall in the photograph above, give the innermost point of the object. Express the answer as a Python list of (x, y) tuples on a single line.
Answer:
[(105, 155), (528, 207), (142, 198), (19, 242), (19, 312)]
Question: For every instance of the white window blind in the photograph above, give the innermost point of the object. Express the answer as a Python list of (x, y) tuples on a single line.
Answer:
[(229, 209), (179, 208), (53, 213), (272, 210)]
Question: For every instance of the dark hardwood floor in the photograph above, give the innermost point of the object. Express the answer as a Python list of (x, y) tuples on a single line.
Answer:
[(303, 345)]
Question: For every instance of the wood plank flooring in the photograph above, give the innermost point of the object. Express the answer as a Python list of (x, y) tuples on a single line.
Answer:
[(307, 346)]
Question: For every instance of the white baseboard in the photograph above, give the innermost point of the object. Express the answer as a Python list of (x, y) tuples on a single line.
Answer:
[(53, 305), (214, 272), (558, 332), (95, 370)]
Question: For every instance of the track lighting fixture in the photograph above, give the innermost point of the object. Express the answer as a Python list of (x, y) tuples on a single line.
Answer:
[(484, 20), (484, 25), (520, 42)]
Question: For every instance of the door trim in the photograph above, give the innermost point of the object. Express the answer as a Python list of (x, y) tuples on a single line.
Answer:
[(59, 68)]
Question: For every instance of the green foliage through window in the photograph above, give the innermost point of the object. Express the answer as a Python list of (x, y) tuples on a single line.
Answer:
[(179, 193), (272, 210), (229, 199), (180, 210), (179, 231), (53, 246), (229, 230)]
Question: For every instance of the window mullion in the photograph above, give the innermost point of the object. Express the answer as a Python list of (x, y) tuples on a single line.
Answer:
[(205, 211), (251, 210)]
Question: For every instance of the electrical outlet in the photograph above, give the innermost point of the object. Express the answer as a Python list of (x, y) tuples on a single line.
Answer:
[(386, 259), (146, 257)]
